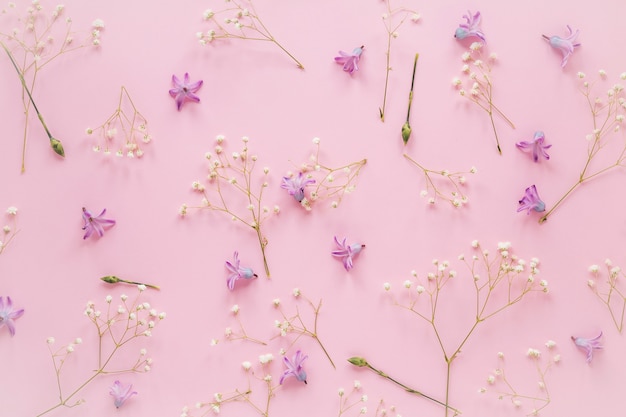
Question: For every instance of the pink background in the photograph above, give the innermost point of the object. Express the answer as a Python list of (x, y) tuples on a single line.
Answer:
[(253, 89)]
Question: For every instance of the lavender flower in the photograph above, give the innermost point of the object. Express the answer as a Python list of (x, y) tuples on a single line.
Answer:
[(347, 252), (237, 272), (536, 146), (8, 315), (295, 185), (121, 393), (588, 345), (183, 91), (470, 29), (294, 367), (565, 45), (350, 61), (95, 223), (531, 201)]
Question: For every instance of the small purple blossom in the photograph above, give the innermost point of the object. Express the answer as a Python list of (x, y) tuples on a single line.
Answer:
[(565, 45), (588, 345), (295, 185), (536, 146), (8, 315), (121, 393), (531, 201), (294, 367), (183, 91), (347, 252), (95, 223), (350, 61), (237, 271), (470, 29)]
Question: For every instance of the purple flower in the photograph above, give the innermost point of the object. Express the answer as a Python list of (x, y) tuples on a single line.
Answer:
[(350, 61), (565, 45), (7, 315), (531, 201), (294, 367), (184, 91), (121, 393), (295, 185), (536, 146), (347, 252), (588, 345), (470, 29), (237, 272), (95, 223)]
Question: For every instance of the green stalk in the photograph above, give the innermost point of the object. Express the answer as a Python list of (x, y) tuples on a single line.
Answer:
[(112, 279), (406, 128)]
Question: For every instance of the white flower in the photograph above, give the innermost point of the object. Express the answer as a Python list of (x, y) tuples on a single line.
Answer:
[(98, 24), (387, 286), (235, 309), (12, 210), (316, 141), (296, 292), (407, 284), (276, 302), (246, 365)]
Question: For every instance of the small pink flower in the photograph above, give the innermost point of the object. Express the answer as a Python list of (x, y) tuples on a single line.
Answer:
[(294, 367), (536, 145), (565, 45), (295, 185), (350, 61), (237, 271), (531, 201), (96, 224), (8, 315), (470, 28), (347, 252), (588, 345), (183, 91), (121, 393)]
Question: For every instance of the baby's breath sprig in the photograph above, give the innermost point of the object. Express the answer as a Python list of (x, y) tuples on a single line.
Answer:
[(612, 293), (240, 334), (479, 85), (10, 229), (133, 125), (117, 329), (241, 22), (608, 114), (346, 401)]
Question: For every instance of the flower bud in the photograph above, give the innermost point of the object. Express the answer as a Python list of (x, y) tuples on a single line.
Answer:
[(406, 132), (358, 361), (111, 279), (57, 147)]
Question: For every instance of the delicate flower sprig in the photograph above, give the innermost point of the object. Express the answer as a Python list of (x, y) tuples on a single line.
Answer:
[(112, 279), (345, 404), (478, 85), (406, 127), (118, 330), (611, 292), (241, 22), (235, 173), (454, 181), (607, 115), (230, 334), (10, 229), (130, 122)]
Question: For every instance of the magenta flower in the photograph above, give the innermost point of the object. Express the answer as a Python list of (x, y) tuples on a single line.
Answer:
[(8, 315), (588, 345), (531, 201), (237, 272), (536, 146), (470, 29), (183, 91), (347, 252), (95, 223), (294, 367), (295, 185), (565, 45), (121, 393), (350, 61)]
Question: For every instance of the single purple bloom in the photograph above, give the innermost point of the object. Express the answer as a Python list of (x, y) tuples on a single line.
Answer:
[(588, 345), (295, 185), (294, 367), (531, 201), (7, 315), (184, 90), (121, 393), (470, 29), (536, 146), (350, 61), (237, 272), (565, 45), (95, 223), (347, 252)]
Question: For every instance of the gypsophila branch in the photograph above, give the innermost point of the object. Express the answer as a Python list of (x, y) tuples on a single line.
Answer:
[(9, 230), (611, 292), (241, 334)]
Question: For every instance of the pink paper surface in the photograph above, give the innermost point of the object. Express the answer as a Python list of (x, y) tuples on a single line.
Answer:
[(254, 89)]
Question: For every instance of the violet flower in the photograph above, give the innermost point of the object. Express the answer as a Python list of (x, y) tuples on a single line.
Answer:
[(121, 393), (95, 223), (295, 185), (237, 272), (8, 315), (565, 45), (470, 29), (294, 367), (350, 61), (347, 252), (588, 345), (536, 146), (531, 201), (183, 91)]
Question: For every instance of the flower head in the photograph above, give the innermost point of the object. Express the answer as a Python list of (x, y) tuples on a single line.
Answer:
[(588, 345), (536, 145), (295, 185), (8, 315), (237, 271), (184, 90), (565, 45), (294, 367), (470, 29), (95, 223), (347, 252), (350, 61), (121, 393), (531, 201)]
